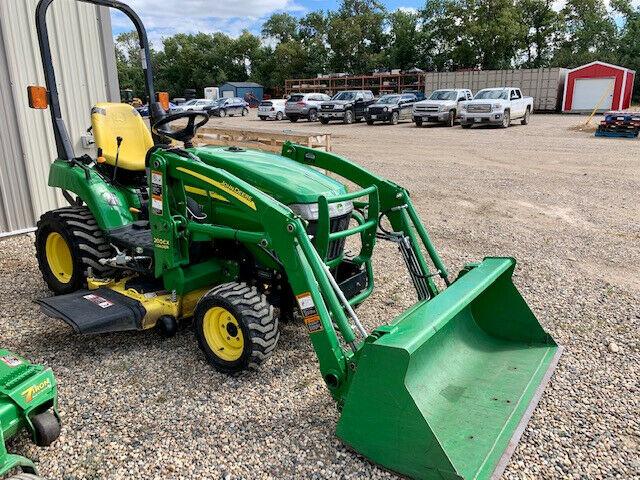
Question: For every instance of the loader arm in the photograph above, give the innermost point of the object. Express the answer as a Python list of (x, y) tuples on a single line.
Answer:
[(444, 390)]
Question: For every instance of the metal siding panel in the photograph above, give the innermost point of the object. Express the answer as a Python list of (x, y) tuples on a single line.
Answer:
[(78, 43)]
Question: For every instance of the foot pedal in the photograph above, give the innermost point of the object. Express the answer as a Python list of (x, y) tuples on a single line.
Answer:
[(95, 311)]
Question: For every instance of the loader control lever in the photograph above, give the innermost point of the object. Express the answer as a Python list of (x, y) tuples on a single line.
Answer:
[(181, 133)]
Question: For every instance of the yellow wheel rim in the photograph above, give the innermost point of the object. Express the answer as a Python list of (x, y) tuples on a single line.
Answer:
[(59, 257), (223, 334)]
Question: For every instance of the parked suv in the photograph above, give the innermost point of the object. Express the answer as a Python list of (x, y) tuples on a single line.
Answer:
[(304, 105), (442, 106), (391, 108), (348, 106), (228, 106)]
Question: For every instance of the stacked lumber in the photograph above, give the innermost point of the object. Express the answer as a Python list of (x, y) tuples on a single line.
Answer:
[(619, 124)]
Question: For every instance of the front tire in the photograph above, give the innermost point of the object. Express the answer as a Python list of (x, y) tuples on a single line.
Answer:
[(245, 112), (313, 115), (370, 122), (68, 242), (293, 119), (395, 117), (527, 117), (236, 327), (506, 119), (222, 113), (418, 122), (324, 121), (466, 125), (348, 117), (451, 119)]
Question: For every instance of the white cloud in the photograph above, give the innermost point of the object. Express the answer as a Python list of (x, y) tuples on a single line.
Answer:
[(163, 18)]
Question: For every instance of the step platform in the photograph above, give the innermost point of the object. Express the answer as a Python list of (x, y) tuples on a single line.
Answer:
[(95, 311)]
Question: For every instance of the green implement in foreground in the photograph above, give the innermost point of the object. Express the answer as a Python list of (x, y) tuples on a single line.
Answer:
[(160, 230), (28, 400)]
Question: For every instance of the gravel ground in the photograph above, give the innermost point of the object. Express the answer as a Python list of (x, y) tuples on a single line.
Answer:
[(564, 203)]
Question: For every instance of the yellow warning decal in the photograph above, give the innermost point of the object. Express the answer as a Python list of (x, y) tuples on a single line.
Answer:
[(309, 312), (224, 186)]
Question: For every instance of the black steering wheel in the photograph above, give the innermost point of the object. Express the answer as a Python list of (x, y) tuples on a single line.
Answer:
[(185, 134)]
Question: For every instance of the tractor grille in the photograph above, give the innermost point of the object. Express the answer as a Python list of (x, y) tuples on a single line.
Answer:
[(479, 108), (337, 224)]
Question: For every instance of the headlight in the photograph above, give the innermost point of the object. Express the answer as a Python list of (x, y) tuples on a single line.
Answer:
[(443, 108), (464, 108), (366, 109), (497, 106), (309, 211)]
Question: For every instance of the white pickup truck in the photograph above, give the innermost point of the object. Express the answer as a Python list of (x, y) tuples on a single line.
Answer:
[(496, 106), (442, 106)]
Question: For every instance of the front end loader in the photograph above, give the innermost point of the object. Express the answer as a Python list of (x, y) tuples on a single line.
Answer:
[(159, 231), (28, 401)]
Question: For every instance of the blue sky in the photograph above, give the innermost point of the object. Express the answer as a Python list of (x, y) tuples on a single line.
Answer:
[(167, 17)]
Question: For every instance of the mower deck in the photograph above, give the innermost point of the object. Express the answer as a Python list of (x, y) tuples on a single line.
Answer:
[(96, 311)]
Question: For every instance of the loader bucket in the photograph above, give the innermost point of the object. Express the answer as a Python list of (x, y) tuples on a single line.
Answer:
[(446, 390)]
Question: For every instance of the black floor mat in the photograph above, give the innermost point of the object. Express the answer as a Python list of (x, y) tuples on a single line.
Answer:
[(95, 311)]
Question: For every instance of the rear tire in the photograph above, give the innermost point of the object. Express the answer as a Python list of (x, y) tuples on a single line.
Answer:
[(68, 242), (46, 427), (313, 115), (527, 117), (236, 327), (279, 116)]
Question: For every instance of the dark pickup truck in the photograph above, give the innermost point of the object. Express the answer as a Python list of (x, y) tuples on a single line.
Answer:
[(347, 106)]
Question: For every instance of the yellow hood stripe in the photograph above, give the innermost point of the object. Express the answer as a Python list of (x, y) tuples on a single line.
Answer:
[(200, 191), (233, 191)]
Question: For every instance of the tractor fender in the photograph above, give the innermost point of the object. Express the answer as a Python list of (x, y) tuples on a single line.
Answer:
[(108, 203)]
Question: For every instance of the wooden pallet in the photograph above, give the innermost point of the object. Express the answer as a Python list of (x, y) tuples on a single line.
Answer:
[(270, 140)]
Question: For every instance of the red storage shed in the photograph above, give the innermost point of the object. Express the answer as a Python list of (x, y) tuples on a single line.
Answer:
[(598, 84)]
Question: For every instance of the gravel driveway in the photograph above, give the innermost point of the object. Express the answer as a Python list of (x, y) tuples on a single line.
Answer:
[(564, 203)]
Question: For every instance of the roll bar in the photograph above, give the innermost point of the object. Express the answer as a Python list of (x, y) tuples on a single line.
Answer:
[(63, 141)]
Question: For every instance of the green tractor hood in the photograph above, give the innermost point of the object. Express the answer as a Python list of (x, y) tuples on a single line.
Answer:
[(284, 179)]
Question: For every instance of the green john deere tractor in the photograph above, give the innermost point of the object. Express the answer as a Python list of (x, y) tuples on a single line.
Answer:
[(159, 230), (28, 401)]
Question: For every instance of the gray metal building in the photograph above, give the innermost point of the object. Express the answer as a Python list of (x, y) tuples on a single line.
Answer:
[(84, 59)]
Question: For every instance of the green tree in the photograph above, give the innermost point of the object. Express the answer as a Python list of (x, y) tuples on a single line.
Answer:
[(403, 39), (281, 26), (629, 41), (540, 27), (589, 34), (130, 74)]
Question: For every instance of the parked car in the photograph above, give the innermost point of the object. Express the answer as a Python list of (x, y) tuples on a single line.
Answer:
[(273, 109), (197, 104), (348, 106), (304, 105), (228, 106), (496, 106), (442, 106), (144, 110), (391, 108), (419, 95)]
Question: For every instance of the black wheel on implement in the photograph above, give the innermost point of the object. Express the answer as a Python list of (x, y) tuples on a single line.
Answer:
[(68, 242), (46, 428), (236, 327)]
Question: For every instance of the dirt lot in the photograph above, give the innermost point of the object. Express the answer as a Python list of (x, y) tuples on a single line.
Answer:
[(562, 202)]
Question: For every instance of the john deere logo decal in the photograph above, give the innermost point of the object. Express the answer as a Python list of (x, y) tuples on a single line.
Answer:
[(34, 390)]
